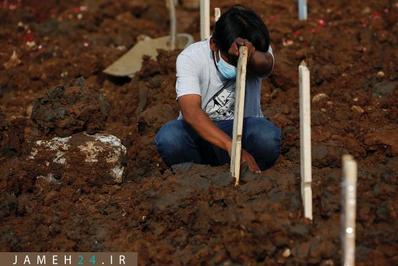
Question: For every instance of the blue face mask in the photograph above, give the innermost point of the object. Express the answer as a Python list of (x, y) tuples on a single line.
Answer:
[(227, 70)]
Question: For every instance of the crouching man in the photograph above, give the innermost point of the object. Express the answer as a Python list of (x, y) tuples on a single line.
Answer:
[(206, 74)]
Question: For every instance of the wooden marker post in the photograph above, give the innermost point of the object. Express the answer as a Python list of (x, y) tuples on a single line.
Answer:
[(173, 24), (204, 19), (239, 114), (217, 14), (305, 139), (302, 8), (349, 191)]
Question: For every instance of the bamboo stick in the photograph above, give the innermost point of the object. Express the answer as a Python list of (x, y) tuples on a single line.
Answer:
[(239, 114), (173, 24)]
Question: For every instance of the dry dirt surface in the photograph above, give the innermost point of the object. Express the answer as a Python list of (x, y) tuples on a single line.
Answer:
[(51, 84)]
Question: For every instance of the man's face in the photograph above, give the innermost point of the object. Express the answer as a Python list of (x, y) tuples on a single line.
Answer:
[(230, 59)]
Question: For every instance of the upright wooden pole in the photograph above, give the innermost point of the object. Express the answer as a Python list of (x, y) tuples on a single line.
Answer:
[(173, 24), (217, 14), (305, 139), (239, 114), (349, 190), (204, 19), (302, 8)]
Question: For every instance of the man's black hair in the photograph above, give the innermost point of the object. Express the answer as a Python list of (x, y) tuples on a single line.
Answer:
[(240, 21)]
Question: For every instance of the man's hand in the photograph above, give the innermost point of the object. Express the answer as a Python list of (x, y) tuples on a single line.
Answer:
[(258, 62), (246, 158), (250, 161), (234, 49)]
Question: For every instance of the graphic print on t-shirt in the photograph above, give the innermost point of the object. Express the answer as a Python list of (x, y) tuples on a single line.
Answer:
[(221, 106)]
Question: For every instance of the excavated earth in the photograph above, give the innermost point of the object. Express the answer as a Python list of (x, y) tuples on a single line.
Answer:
[(51, 84)]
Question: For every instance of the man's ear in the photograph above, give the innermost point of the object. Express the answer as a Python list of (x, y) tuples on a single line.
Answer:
[(213, 45)]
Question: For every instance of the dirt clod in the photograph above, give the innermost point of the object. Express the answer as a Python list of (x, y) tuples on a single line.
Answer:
[(70, 109)]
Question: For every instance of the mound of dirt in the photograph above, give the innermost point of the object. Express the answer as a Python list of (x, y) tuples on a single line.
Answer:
[(193, 214), (70, 109)]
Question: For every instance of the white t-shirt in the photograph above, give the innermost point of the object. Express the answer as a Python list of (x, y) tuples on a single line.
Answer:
[(197, 74)]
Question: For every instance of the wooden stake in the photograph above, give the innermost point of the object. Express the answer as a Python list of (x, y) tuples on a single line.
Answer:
[(305, 139), (173, 24), (217, 14), (204, 19), (239, 114), (302, 7), (349, 190)]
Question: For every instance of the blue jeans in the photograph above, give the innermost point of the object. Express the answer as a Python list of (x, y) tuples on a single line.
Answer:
[(177, 142)]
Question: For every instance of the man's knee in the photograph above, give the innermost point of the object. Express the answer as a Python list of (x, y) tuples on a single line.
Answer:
[(175, 143), (168, 139), (263, 140)]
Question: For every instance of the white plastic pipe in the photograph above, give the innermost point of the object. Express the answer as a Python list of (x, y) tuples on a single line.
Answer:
[(302, 8), (349, 190), (204, 19), (305, 139)]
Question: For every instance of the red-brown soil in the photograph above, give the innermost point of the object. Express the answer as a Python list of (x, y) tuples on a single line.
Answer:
[(197, 215)]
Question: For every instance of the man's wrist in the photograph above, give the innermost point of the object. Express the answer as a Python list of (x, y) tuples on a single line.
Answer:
[(228, 146)]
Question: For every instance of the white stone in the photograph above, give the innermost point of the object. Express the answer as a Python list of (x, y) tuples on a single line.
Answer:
[(319, 97), (286, 253), (93, 149)]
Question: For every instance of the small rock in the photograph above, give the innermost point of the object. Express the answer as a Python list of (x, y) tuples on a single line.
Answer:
[(357, 109), (380, 74), (31, 44), (366, 10), (286, 253), (13, 61), (319, 97), (29, 110), (287, 42)]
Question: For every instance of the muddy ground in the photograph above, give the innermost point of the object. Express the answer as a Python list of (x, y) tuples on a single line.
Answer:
[(195, 215)]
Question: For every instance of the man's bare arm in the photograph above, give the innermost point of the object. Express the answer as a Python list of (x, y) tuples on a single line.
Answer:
[(261, 63), (194, 115)]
